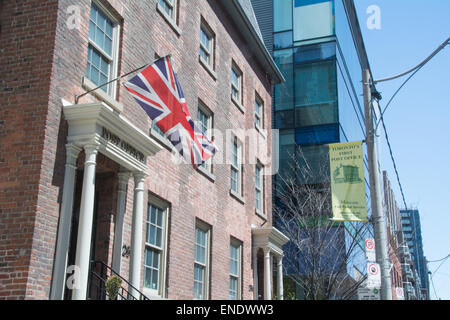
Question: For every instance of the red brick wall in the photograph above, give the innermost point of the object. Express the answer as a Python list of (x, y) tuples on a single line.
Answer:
[(28, 212), (396, 271), (32, 170)]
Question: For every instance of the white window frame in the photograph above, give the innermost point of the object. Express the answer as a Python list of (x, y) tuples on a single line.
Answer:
[(206, 229), (172, 4), (259, 189), (171, 19), (204, 28), (207, 166), (259, 117), (238, 168), (235, 69), (114, 59), (162, 272), (237, 244)]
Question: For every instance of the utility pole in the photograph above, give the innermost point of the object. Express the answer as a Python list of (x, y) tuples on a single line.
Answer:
[(378, 218)]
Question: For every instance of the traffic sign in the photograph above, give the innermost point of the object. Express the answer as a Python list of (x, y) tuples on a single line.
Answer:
[(373, 275), (400, 293), (368, 294), (370, 244), (370, 250)]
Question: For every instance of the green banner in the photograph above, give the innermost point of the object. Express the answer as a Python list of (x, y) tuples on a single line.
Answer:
[(348, 192)]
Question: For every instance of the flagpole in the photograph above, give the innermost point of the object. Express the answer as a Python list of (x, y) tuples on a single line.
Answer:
[(77, 97)]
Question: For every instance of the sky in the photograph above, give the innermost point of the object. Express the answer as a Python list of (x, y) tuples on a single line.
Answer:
[(418, 119)]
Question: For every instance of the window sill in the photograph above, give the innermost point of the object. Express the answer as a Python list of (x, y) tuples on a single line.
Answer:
[(238, 104), (209, 175), (168, 19), (261, 214), (208, 68), (102, 95), (161, 139), (152, 295), (263, 132), (237, 196)]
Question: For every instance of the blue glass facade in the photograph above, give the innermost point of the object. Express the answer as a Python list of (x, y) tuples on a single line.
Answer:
[(321, 101), (412, 232)]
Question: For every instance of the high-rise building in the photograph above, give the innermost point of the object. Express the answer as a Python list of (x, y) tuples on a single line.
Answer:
[(413, 238), (89, 189), (318, 46)]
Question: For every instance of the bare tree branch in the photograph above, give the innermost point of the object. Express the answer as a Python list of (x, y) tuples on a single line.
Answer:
[(320, 249)]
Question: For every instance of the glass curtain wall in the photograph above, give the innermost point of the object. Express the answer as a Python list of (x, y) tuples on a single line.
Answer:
[(321, 101)]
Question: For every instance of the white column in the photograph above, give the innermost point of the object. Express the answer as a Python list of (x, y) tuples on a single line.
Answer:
[(267, 275), (65, 221), (280, 289), (255, 273), (85, 222), (136, 232), (120, 214)]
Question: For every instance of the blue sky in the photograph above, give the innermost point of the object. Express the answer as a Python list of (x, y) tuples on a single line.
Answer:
[(418, 120)]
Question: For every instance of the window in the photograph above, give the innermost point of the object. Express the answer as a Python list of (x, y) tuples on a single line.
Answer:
[(206, 45), (282, 15), (201, 261), (205, 123), (259, 109), (236, 84), (102, 49), (235, 270), (315, 83), (313, 19), (259, 188), (284, 92), (155, 248), (317, 135), (236, 167), (169, 7), (282, 40)]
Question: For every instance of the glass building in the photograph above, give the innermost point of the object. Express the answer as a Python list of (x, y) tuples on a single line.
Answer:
[(318, 46), (412, 233)]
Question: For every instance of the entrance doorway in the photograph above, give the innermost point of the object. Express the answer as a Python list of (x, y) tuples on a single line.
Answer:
[(105, 199)]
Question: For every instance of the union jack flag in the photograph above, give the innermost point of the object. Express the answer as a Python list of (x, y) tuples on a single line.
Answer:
[(159, 93)]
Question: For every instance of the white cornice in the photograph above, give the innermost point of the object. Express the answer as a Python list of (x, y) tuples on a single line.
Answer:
[(86, 121)]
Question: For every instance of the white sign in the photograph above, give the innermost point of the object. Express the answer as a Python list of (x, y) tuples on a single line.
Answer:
[(370, 250), (373, 275), (400, 293), (368, 294)]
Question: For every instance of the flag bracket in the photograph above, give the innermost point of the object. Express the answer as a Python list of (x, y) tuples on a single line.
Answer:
[(77, 97)]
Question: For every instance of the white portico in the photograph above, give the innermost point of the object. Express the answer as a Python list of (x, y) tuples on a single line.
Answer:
[(270, 241), (97, 128)]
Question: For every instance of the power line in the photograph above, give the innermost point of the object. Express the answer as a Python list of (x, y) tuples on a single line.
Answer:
[(414, 70), (443, 261), (435, 271), (434, 289), (439, 259), (420, 65), (392, 158)]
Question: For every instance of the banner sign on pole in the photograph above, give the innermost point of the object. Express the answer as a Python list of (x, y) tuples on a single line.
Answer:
[(348, 191)]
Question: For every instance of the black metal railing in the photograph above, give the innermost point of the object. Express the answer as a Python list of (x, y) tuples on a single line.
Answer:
[(100, 272)]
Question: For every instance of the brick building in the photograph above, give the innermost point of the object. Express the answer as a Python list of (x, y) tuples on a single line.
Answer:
[(95, 181), (395, 236)]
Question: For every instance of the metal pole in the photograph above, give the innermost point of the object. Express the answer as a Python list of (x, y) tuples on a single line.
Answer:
[(378, 218), (77, 97)]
